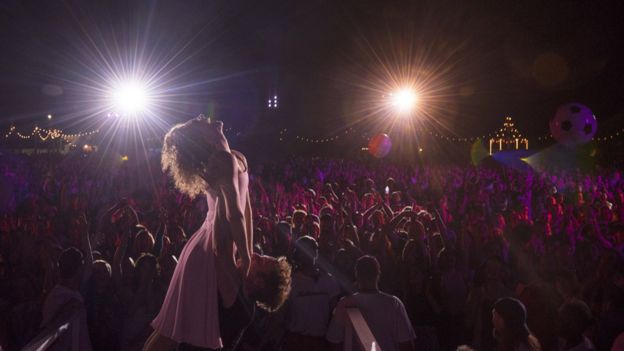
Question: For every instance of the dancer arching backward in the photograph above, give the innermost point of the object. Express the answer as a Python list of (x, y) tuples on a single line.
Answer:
[(218, 280)]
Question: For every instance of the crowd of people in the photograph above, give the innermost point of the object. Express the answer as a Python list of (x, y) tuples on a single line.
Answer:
[(486, 257)]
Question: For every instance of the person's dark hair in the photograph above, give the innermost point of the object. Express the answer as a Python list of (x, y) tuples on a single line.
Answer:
[(276, 286), (327, 218), (520, 235), (445, 255), (298, 214), (70, 262), (284, 230), (568, 281), (326, 210), (306, 250), (481, 276), (516, 331), (409, 250), (314, 218), (367, 268), (97, 256), (574, 318), (343, 263), (103, 265), (145, 258), (615, 296)]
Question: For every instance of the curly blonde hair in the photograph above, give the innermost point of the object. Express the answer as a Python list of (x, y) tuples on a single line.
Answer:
[(277, 285), (184, 153)]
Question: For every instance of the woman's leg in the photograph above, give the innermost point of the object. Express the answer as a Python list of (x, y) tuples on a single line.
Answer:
[(159, 342)]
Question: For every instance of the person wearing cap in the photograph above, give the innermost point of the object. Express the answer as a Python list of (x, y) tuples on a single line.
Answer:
[(510, 328)]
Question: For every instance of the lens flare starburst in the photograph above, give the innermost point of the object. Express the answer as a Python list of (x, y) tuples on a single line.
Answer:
[(404, 100), (130, 79), (409, 85), (130, 97)]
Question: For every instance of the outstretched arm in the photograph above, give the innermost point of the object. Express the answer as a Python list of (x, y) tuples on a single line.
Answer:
[(118, 258), (228, 185), (85, 244), (247, 207), (249, 225), (369, 211), (394, 222)]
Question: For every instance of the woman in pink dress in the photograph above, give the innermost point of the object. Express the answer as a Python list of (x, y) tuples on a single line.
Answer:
[(215, 266)]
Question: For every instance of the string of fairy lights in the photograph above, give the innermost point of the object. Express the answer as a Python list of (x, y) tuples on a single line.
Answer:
[(45, 134), (508, 134), (614, 135), (458, 139), (326, 139)]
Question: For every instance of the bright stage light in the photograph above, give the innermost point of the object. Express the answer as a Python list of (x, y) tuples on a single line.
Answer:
[(404, 100), (130, 97)]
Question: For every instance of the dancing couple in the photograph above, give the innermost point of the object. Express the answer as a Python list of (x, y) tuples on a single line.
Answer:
[(219, 280)]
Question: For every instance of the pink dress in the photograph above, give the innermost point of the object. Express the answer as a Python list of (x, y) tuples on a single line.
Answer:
[(190, 311)]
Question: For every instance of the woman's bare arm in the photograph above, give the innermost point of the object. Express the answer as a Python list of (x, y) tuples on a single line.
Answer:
[(248, 211), (249, 225), (228, 185)]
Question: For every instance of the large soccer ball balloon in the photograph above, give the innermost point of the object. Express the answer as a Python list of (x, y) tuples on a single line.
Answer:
[(573, 124), (379, 146)]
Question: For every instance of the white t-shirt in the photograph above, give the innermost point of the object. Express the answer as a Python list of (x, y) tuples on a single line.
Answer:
[(309, 303), (385, 315), (584, 345), (77, 337)]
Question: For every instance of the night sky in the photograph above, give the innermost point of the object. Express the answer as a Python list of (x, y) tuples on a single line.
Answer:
[(325, 59)]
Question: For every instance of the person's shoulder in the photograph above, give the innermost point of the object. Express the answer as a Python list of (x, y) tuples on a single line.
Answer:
[(618, 343), (61, 296), (387, 296), (241, 159), (326, 277), (330, 283), (225, 165), (522, 347), (348, 301), (62, 291), (238, 154), (394, 300)]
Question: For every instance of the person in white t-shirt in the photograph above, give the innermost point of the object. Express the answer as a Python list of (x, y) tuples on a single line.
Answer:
[(64, 305), (385, 314), (313, 296)]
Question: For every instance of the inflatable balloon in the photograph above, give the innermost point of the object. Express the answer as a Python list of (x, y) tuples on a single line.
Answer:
[(379, 146), (573, 124)]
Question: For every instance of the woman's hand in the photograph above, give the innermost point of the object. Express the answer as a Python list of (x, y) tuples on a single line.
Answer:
[(216, 136), (244, 265)]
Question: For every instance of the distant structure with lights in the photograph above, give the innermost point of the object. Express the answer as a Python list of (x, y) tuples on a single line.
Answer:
[(272, 103), (508, 138)]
